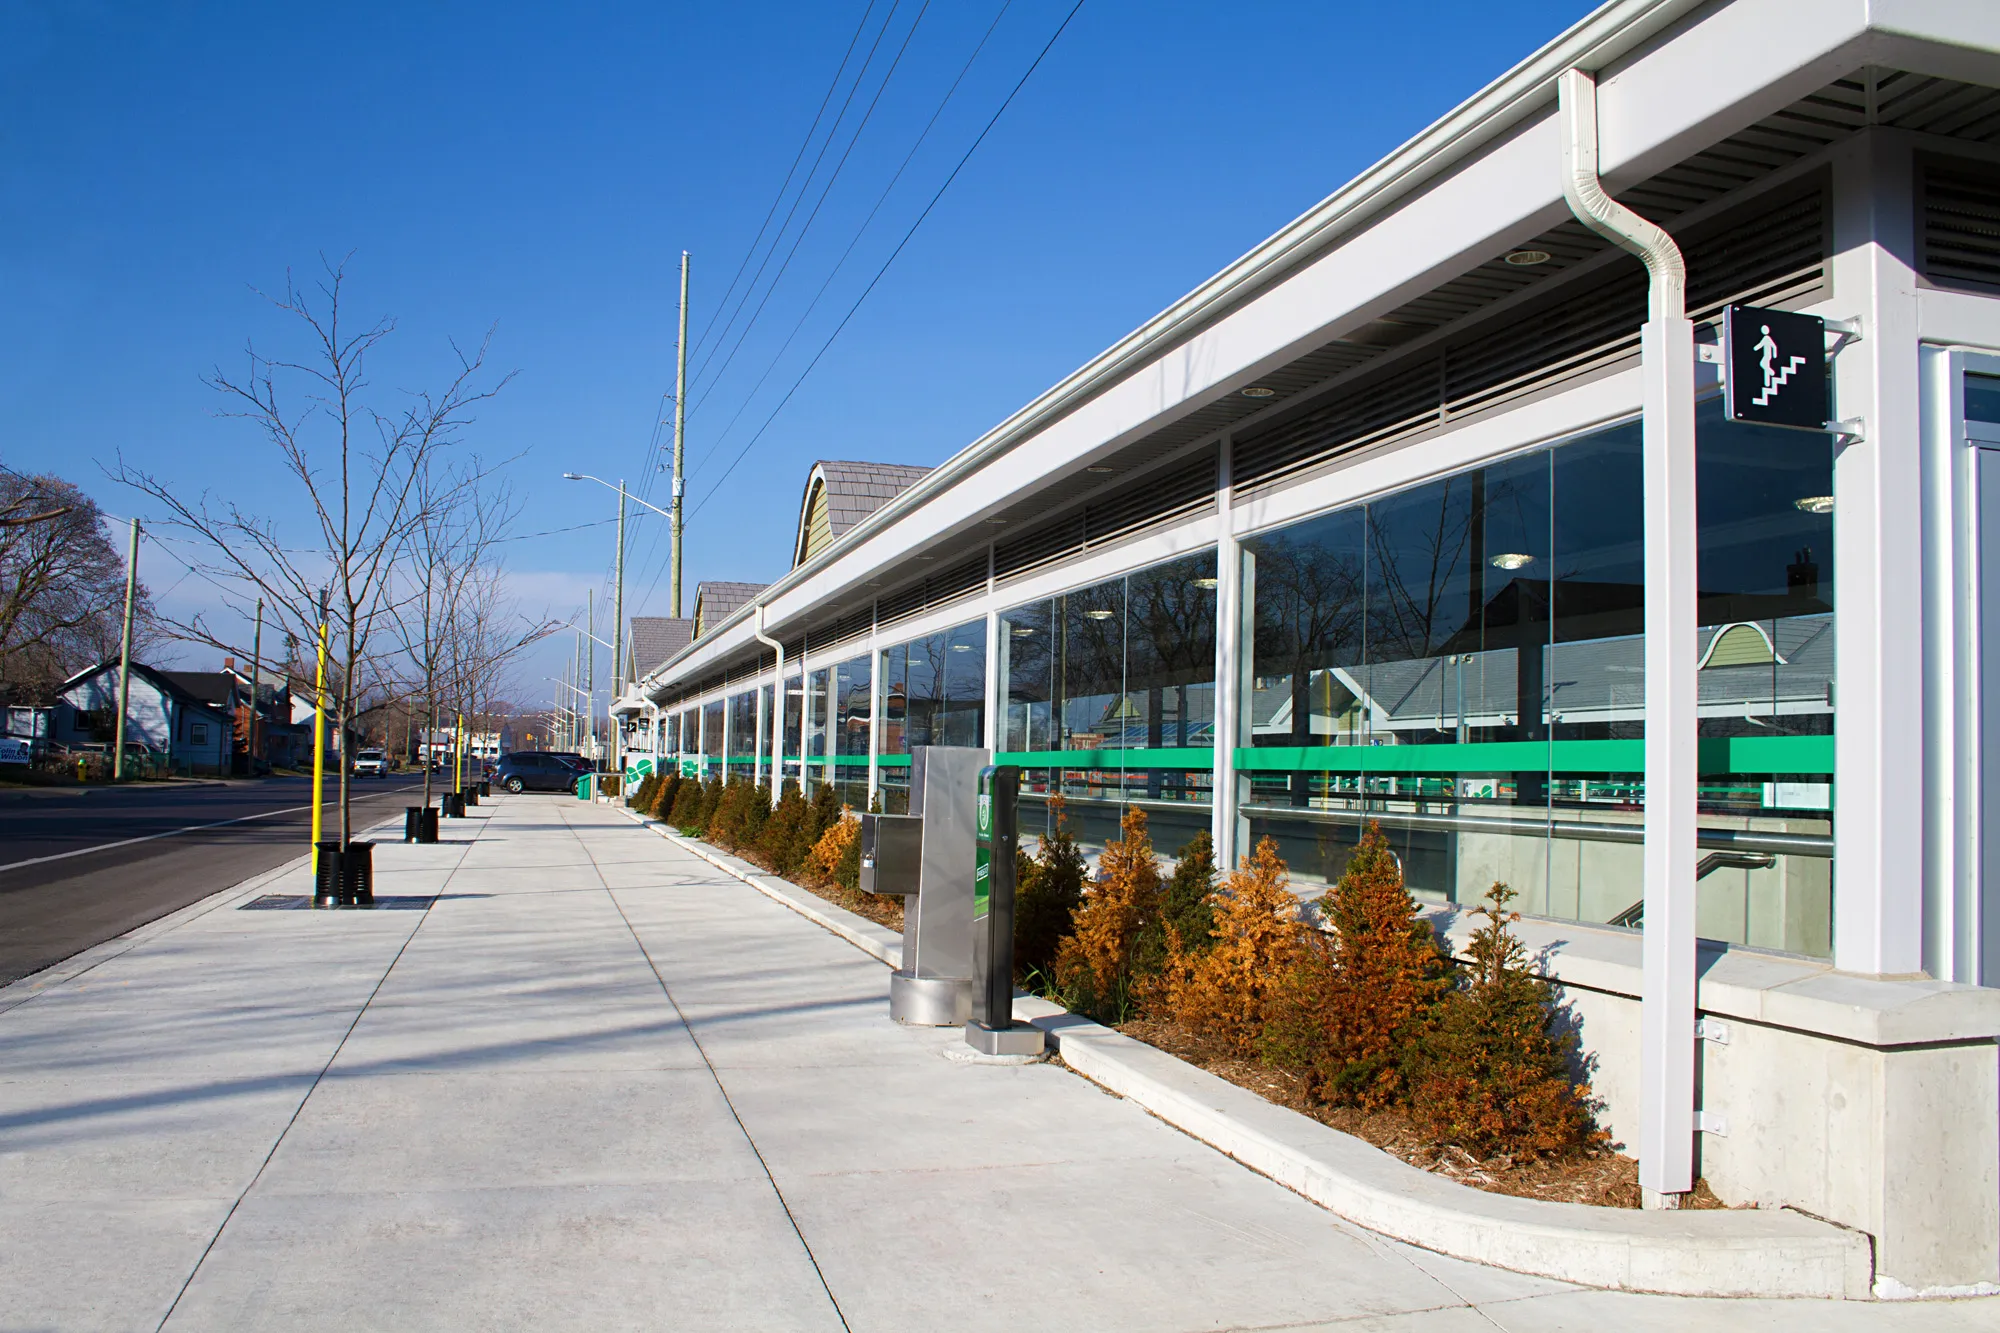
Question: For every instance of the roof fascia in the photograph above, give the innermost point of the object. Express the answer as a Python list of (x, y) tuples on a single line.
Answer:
[(1741, 61)]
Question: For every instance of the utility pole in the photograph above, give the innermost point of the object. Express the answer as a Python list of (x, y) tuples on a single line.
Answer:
[(590, 669), (125, 656), (256, 656), (680, 428), (618, 604)]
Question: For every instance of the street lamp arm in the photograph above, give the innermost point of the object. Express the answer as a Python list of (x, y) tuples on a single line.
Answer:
[(630, 498)]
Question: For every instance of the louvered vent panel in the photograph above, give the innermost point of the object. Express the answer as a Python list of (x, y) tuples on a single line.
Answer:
[(1152, 498), (1038, 546), (1961, 223), (1774, 250), (966, 577), (899, 605)]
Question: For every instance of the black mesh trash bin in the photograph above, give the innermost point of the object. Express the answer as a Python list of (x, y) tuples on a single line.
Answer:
[(357, 874), (427, 824), (326, 874)]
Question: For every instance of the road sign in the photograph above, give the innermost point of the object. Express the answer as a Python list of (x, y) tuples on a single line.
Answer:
[(1774, 368)]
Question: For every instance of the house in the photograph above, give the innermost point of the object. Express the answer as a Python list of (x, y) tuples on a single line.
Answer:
[(186, 725)]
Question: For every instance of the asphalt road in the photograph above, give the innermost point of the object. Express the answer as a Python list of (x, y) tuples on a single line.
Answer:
[(92, 892)]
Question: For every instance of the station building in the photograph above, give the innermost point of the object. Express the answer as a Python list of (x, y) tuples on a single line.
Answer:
[(1359, 531)]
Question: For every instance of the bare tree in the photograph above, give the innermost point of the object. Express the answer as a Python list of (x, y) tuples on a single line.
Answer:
[(360, 470), (62, 584)]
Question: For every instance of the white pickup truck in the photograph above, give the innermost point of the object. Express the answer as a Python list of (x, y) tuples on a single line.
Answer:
[(371, 764)]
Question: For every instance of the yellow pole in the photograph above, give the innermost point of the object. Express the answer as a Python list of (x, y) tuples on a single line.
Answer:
[(458, 757), (319, 744)]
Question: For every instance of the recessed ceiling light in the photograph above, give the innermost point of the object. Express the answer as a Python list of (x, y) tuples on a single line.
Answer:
[(1100, 469), (1259, 391), (1527, 258), (961, 647), (1205, 583), (1100, 615), (1814, 504), (1023, 631), (1511, 560), (996, 522)]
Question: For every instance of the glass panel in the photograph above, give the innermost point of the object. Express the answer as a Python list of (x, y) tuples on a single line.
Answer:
[(1027, 657), (1170, 680), (960, 718), (934, 693), (817, 717), (1465, 661), (1982, 398), (851, 712), (713, 737), (893, 780), (742, 759)]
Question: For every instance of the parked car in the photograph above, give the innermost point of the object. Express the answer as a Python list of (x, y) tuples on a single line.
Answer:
[(371, 764), (535, 770)]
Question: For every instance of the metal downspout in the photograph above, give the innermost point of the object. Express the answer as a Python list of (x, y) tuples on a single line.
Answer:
[(1667, 1008), (777, 719)]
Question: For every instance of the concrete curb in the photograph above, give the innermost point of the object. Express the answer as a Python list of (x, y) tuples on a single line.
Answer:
[(1761, 1252), (879, 942)]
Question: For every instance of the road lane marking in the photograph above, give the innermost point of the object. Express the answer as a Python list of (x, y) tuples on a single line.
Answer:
[(154, 837)]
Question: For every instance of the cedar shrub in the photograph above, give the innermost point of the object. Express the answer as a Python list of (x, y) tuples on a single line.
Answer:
[(1184, 906), (1229, 991), (1046, 898), (1094, 963)]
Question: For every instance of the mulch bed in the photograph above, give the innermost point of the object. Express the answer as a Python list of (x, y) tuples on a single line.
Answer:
[(1603, 1177), (883, 911)]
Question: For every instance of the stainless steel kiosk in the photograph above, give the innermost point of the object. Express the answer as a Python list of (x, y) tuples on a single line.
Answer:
[(933, 988)]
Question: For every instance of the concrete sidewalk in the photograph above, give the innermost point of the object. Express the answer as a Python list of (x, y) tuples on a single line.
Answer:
[(598, 1084)]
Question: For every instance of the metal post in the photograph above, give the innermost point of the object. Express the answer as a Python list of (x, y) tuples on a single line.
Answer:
[(125, 657), (680, 424), (458, 756), (256, 671), (319, 731), (618, 607), (1667, 951), (590, 667)]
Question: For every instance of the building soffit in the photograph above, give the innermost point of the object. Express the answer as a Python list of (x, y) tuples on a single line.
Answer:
[(1804, 125)]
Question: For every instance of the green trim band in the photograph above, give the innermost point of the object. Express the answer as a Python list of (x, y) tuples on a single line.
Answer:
[(1718, 754)]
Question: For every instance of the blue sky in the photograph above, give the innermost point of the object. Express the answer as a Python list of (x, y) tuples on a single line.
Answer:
[(538, 169)]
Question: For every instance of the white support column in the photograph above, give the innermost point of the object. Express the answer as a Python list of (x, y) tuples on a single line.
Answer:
[(995, 705), (760, 731), (1878, 817), (1230, 653), (874, 719)]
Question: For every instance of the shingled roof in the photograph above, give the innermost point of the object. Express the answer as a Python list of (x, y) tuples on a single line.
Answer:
[(656, 638), (840, 494), (716, 602)]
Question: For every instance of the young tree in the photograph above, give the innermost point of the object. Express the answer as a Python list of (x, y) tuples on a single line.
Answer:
[(359, 471)]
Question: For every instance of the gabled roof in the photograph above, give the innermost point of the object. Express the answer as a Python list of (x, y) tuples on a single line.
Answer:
[(161, 680), (839, 494), (217, 689), (656, 638), (716, 602)]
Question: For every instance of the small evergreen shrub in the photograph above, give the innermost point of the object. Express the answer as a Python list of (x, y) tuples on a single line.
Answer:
[(1094, 962), (829, 858), (642, 794), (1184, 906), (1364, 997), (1494, 1074), (823, 814), (1232, 989), (1046, 897), (783, 843), (685, 813)]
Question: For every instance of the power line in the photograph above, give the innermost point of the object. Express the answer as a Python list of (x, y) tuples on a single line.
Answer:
[(797, 158), (867, 222), (818, 204), (799, 199), (744, 452)]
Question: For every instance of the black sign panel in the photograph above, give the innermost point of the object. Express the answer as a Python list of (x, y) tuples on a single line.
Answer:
[(1774, 368)]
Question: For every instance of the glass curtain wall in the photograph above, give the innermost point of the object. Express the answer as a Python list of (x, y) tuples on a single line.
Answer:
[(1117, 682), (794, 692), (712, 738), (1464, 663), (742, 757), (933, 693), (852, 706)]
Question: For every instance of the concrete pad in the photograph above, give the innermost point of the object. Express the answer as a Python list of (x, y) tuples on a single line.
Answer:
[(1629, 1312), (429, 1133), (693, 1254), (88, 1266)]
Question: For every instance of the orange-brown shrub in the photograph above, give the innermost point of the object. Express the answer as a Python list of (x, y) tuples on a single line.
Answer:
[(823, 862), (1094, 962), (1364, 996), (1231, 990)]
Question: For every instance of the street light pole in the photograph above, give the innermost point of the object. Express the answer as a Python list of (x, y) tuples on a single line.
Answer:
[(125, 658), (618, 603), (680, 425)]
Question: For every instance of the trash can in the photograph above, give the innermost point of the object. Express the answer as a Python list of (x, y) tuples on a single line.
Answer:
[(485, 790), (452, 804), (357, 874), (427, 824), (583, 787), (413, 823), (326, 874), (470, 796)]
